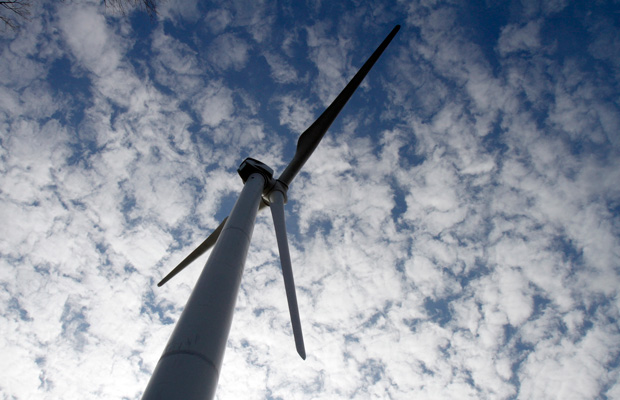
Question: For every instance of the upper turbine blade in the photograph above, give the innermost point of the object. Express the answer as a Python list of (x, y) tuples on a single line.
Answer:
[(312, 136), (277, 211), (200, 250)]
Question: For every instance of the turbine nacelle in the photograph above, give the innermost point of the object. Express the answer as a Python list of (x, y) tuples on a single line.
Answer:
[(250, 166)]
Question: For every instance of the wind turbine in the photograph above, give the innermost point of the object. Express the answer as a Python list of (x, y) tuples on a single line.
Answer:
[(191, 362)]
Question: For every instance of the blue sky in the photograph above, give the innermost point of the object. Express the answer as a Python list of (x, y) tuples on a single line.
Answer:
[(455, 235)]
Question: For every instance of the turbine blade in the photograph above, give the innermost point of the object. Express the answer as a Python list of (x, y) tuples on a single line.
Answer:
[(277, 212), (200, 250), (312, 136)]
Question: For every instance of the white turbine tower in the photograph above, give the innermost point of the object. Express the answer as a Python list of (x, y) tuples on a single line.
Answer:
[(191, 362)]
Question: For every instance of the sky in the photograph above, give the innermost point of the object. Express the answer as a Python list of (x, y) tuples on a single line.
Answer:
[(455, 235)]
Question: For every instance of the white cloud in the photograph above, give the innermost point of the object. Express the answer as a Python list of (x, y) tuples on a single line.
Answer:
[(176, 65), (228, 51), (330, 55), (281, 71), (88, 36), (255, 16), (520, 38), (215, 104), (295, 113), (218, 20), (178, 11)]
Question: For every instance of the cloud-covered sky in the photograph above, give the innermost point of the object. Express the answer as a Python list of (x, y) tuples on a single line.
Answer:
[(455, 235)]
